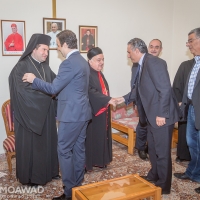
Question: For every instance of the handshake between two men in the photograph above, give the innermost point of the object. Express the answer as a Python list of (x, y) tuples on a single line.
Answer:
[(116, 101), (160, 121)]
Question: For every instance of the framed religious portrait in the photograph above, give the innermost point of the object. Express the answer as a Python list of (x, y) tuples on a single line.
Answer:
[(51, 27), (87, 38), (13, 37)]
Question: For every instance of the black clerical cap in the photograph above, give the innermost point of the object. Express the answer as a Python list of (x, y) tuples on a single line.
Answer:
[(36, 39), (93, 52)]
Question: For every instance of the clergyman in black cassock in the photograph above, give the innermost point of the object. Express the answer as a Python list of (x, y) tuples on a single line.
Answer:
[(34, 119), (178, 87), (98, 140)]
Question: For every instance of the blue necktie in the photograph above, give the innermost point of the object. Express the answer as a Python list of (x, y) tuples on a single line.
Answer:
[(134, 82), (193, 76)]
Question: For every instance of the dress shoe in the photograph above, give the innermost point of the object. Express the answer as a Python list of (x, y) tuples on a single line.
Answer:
[(143, 155), (148, 179), (182, 176), (56, 177), (62, 197), (197, 190), (178, 160)]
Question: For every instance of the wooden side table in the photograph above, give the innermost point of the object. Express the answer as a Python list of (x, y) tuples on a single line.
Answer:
[(131, 187)]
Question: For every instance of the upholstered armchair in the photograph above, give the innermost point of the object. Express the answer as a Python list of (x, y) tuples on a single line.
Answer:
[(9, 142)]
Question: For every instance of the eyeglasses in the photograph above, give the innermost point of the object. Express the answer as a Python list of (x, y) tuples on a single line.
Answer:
[(191, 41)]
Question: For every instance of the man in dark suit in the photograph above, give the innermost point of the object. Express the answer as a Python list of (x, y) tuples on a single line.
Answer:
[(154, 48), (191, 99), (157, 106), (73, 112)]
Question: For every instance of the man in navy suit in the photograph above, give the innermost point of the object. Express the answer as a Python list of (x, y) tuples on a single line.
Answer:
[(157, 107), (73, 112)]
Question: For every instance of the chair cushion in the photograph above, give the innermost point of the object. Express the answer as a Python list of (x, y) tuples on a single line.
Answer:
[(124, 112), (9, 143), (129, 122)]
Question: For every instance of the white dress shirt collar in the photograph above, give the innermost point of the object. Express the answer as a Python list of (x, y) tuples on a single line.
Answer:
[(141, 59), (71, 52)]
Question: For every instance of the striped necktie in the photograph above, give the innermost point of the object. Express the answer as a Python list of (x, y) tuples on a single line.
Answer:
[(193, 76)]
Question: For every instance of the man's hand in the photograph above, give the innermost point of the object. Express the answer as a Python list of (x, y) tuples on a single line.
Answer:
[(160, 121), (113, 101), (120, 100), (28, 77)]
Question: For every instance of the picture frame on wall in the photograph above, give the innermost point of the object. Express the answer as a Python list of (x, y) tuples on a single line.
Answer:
[(13, 37), (87, 38), (51, 27)]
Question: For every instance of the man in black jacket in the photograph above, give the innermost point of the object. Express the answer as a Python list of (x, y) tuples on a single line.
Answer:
[(191, 98)]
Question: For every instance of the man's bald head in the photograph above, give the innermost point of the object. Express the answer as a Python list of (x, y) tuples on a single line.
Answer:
[(155, 47)]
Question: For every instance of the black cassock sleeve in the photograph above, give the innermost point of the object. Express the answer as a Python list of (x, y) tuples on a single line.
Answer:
[(30, 107)]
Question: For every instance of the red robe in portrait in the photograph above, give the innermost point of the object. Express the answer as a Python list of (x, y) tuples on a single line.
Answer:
[(17, 40)]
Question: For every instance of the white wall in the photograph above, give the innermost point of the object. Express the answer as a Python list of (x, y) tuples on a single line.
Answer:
[(186, 18), (32, 12), (118, 21)]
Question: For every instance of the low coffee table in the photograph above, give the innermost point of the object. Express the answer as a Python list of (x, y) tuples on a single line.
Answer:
[(130, 187)]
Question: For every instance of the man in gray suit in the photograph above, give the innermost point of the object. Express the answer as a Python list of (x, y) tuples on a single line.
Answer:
[(73, 112), (157, 106), (190, 105)]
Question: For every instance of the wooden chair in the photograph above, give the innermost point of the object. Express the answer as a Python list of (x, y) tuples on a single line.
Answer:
[(175, 136), (125, 119), (9, 142)]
